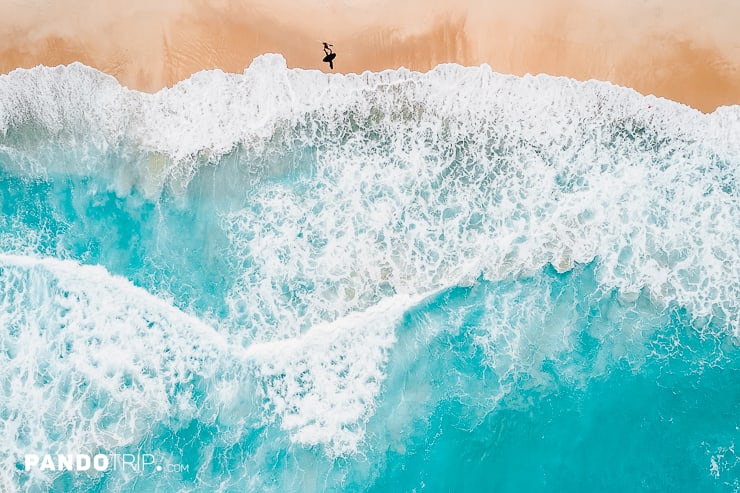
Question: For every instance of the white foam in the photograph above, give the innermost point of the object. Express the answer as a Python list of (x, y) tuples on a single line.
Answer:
[(87, 360), (213, 112), (323, 384), (420, 181), (91, 361)]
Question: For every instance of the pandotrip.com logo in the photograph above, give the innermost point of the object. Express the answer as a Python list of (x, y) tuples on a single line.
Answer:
[(138, 463)]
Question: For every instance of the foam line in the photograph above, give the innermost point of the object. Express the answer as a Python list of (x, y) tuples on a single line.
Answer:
[(323, 383), (213, 111)]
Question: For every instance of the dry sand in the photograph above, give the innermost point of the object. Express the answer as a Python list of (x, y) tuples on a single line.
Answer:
[(684, 50)]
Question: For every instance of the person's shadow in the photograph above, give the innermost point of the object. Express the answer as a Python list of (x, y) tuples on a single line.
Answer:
[(330, 55)]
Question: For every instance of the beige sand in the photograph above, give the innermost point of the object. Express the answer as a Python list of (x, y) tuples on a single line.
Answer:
[(684, 50)]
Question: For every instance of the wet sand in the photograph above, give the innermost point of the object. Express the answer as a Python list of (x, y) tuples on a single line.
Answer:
[(682, 50)]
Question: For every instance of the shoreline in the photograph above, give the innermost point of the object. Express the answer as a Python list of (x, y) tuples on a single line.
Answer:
[(686, 53)]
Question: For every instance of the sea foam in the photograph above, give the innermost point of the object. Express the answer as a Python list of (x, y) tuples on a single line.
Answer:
[(341, 202), (89, 361)]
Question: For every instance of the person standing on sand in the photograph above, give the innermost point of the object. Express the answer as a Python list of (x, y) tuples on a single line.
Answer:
[(330, 55)]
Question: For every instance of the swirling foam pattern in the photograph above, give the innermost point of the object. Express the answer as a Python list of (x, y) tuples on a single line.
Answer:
[(291, 281)]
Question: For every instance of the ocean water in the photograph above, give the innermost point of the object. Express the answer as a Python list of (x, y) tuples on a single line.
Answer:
[(291, 281)]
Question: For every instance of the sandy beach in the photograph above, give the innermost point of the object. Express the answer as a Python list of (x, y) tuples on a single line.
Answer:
[(682, 50)]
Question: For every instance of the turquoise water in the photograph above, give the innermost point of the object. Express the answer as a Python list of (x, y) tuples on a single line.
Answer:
[(454, 281)]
